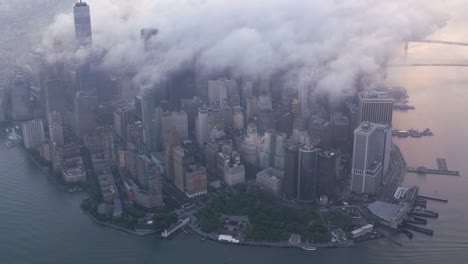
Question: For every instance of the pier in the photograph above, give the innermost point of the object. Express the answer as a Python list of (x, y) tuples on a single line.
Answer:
[(433, 199), (424, 170), (426, 231), (442, 164), (171, 231)]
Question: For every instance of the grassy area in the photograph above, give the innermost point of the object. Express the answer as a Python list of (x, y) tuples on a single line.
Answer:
[(270, 218), (339, 219)]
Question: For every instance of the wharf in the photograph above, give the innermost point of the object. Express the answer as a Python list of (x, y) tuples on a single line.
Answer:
[(171, 231), (424, 170)]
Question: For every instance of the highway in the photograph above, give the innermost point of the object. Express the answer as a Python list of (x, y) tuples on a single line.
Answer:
[(395, 176)]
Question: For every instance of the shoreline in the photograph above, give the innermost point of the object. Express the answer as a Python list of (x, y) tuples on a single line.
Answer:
[(212, 237)]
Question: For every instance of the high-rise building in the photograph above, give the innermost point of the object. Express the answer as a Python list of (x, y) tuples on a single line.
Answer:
[(208, 118), (180, 124), (85, 112), (320, 131), (169, 162), (218, 91), (238, 118), (270, 179), (247, 91), (122, 118), (371, 152), (251, 107), (149, 178), (56, 133), (190, 106), (307, 174), (147, 117), (33, 133), (82, 17), (195, 180), (375, 107), (182, 158), (340, 128), (248, 147), (55, 95), (265, 121), (291, 170), (273, 150), (328, 173), (20, 95)]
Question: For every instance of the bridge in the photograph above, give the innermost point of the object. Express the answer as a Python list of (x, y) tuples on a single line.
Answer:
[(455, 43)]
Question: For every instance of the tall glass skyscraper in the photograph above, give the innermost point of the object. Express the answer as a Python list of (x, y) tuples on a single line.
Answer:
[(82, 24)]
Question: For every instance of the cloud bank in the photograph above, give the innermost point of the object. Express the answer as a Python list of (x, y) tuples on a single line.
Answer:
[(325, 46)]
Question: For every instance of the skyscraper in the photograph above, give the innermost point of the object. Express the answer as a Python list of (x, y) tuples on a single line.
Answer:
[(328, 164), (122, 118), (33, 133), (85, 112), (375, 107), (371, 151), (273, 150), (82, 17), (147, 116), (291, 160), (307, 174)]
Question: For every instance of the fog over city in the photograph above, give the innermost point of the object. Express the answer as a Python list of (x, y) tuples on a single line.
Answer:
[(329, 45)]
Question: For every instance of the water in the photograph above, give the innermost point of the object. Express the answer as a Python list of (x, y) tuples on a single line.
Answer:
[(41, 224)]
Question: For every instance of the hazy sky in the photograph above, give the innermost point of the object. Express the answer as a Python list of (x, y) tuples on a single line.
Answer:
[(328, 46)]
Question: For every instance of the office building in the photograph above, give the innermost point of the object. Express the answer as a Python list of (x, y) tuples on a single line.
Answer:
[(195, 180), (307, 174), (328, 173), (182, 158), (238, 118), (82, 20), (371, 152), (56, 133), (340, 129), (147, 117), (291, 170), (218, 91), (86, 105), (33, 133), (270, 180), (375, 107), (180, 124), (20, 95), (122, 118), (55, 95), (251, 108), (272, 154)]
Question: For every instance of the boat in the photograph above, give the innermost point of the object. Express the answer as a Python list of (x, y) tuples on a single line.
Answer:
[(309, 248), (9, 144)]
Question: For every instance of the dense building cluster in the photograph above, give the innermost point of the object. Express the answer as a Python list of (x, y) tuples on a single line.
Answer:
[(147, 137)]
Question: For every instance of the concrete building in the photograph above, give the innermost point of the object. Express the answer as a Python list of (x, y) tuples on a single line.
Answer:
[(149, 179), (375, 107), (82, 20), (371, 152), (251, 108), (55, 95), (195, 180), (180, 124), (74, 175), (190, 107), (307, 174), (147, 117), (320, 131), (20, 99), (270, 179), (218, 91), (33, 133), (182, 158), (122, 118), (340, 129), (85, 104), (56, 133), (247, 91), (291, 170), (248, 146), (272, 154), (238, 118), (328, 173)]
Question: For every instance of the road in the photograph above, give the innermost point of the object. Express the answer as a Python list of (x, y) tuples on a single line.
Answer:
[(394, 177)]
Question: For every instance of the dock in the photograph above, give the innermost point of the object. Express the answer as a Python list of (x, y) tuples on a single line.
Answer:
[(442, 164), (426, 231), (433, 198), (424, 170), (171, 231)]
